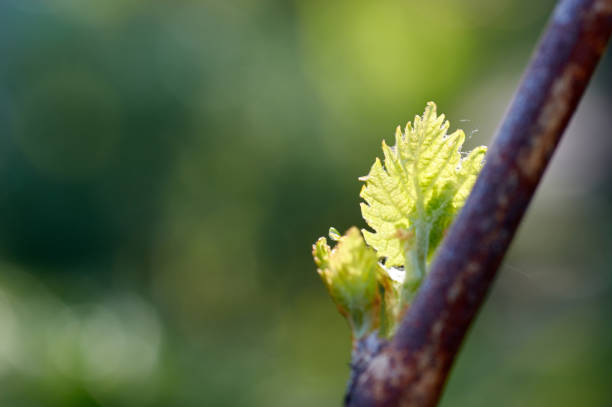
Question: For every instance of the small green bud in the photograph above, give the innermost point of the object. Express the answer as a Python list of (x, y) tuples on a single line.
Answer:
[(350, 272)]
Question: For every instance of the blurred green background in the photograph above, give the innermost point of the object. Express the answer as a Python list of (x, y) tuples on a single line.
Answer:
[(166, 166)]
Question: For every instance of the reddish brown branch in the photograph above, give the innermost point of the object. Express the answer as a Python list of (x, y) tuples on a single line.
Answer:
[(412, 370)]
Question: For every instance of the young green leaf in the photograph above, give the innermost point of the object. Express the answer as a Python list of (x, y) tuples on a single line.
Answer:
[(412, 199), (350, 272)]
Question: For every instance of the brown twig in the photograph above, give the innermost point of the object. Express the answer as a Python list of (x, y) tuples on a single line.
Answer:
[(412, 369)]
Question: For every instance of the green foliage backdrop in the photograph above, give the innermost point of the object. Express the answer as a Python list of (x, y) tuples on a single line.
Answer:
[(165, 167)]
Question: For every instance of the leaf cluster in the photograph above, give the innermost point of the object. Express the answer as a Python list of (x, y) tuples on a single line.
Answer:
[(410, 199)]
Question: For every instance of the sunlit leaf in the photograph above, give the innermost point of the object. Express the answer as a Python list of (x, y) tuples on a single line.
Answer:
[(350, 273), (413, 195)]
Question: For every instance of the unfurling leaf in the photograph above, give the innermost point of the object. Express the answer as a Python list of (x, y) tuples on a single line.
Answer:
[(412, 199), (352, 275)]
